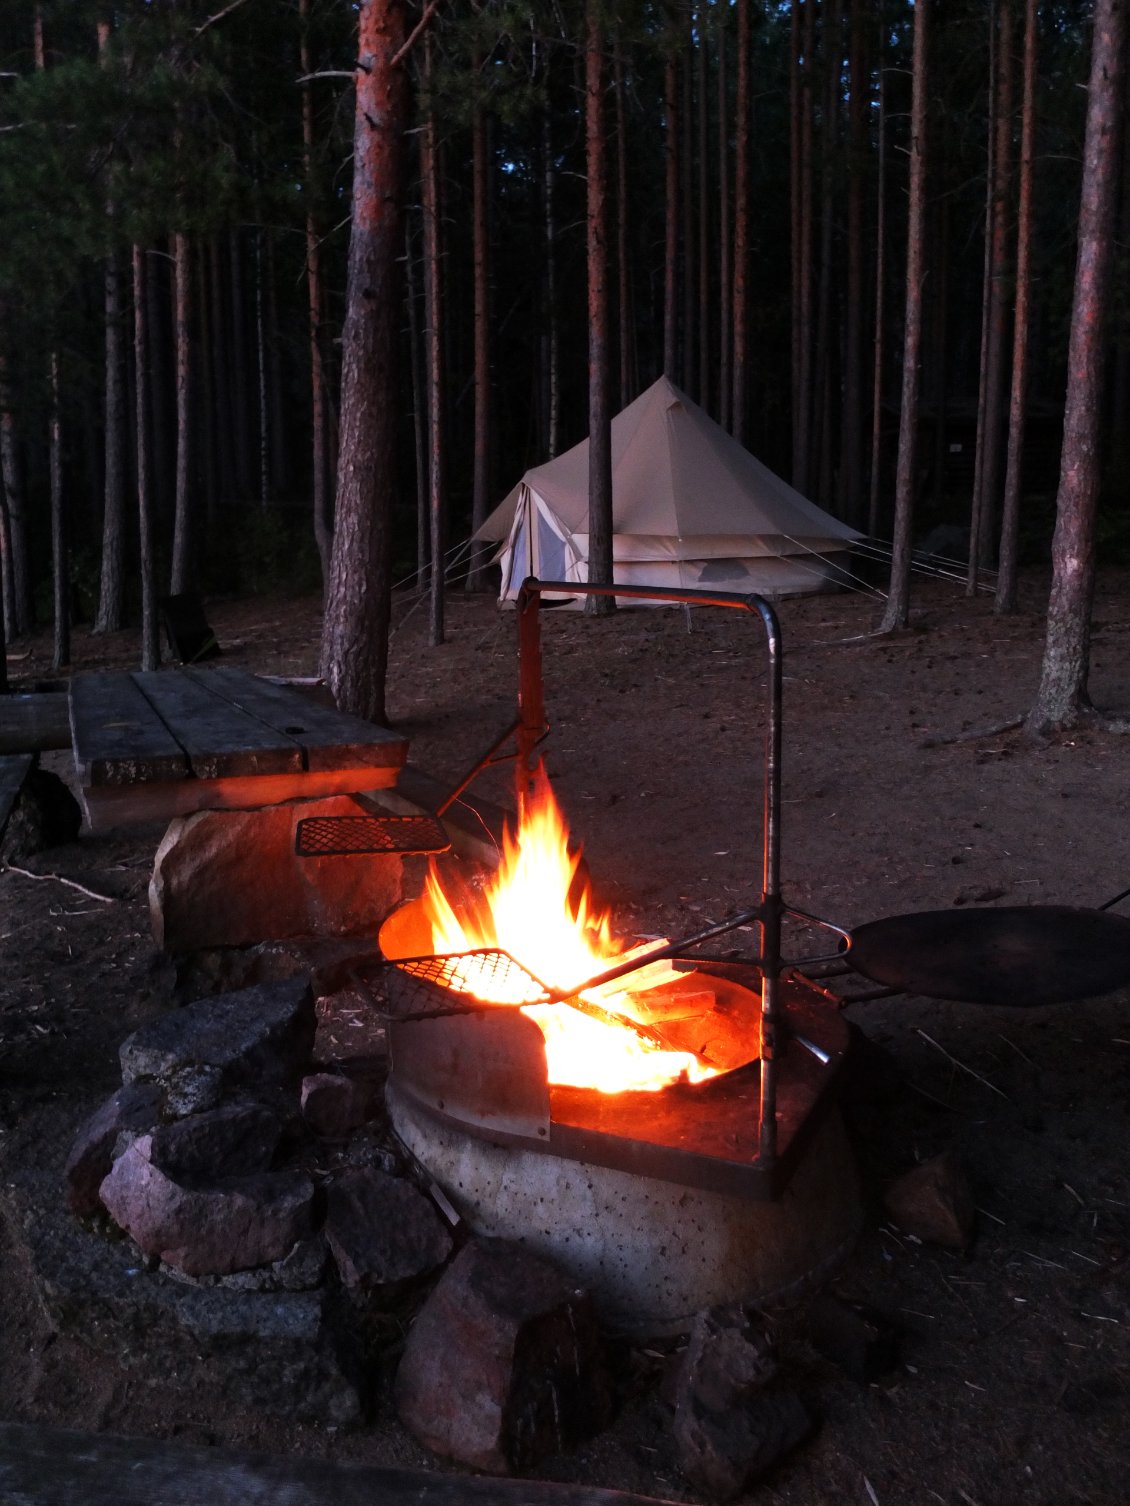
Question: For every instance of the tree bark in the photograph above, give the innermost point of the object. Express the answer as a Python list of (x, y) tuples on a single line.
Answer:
[(739, 300), (897, 613), (704, 377), (987, 469), (851, 419), (419, 404), (319, 460), (876, 467), (18, 578), (802, 256), (1004, 600), (354, 656), (480, 258), (184, 543), (671, 205), (60, 562), (433, 345), (725, 288), (600, 415), (1061, 698), (629, 374), (552, 377), (150, 651)]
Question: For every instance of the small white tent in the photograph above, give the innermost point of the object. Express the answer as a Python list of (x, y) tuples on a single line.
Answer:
[(691, 508)]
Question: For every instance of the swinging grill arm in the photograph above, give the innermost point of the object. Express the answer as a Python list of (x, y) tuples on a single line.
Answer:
[(769, 911)]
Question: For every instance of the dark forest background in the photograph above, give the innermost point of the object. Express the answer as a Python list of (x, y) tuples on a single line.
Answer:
[(175, 206)]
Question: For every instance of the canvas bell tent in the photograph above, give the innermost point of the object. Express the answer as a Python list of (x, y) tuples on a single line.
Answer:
[(691, 508)]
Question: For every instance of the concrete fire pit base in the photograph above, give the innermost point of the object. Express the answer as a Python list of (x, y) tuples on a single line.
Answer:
[(652, 1253)]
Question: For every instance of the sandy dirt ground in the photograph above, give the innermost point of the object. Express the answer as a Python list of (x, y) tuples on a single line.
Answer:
[(1014, 1384)]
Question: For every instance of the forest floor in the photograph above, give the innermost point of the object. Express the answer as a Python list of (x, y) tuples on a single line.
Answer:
[(1014, 1384)]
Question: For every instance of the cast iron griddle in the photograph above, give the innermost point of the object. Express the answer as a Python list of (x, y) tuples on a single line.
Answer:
[(1028, 955)]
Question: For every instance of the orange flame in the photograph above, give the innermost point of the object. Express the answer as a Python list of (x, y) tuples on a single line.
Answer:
[(528, 911)]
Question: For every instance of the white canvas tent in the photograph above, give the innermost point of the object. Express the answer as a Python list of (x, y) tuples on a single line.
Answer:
[(691, 508)]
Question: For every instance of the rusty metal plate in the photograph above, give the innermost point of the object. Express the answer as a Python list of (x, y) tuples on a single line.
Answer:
[(1022, 956)]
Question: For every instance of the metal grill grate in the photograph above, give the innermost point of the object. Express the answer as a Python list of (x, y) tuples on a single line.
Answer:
[(416, 987), (342, 836)]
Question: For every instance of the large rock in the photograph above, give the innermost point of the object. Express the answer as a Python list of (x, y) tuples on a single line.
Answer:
[(136, 1106), (279, 1351), (730, 1424), (237, 1139), (257, 1038), (334, 1105), (207, 1228), (504, 1363), (383, 1232), (232, 879)]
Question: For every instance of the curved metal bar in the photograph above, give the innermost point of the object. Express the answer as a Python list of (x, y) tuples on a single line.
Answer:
[(770, 910)]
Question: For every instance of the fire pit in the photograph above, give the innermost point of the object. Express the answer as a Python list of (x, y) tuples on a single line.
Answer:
[(664, 1128)]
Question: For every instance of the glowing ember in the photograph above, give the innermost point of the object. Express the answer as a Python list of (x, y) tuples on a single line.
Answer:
[(528, 912)]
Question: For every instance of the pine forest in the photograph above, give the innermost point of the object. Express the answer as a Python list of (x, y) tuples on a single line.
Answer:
[(292, 293)]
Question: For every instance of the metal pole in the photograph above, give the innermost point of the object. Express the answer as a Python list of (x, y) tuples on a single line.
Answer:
[(769, 911)]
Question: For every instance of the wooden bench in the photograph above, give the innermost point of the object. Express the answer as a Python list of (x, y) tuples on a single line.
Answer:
[(151, 745)]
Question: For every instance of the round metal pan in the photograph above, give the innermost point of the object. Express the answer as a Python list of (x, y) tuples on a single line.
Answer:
[(1029, 955)]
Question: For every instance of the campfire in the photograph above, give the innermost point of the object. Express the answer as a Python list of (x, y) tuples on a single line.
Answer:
[(604, 1037)]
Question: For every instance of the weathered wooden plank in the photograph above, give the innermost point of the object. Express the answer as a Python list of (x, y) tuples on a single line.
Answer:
[(329, 738), (109, 806), (31, 723), (219, 738), (41, 1466), (14, 768), (118, 737)]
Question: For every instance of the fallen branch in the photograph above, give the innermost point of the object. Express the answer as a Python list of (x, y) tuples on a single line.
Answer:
[(106, 899), (990, 1085), (972, 736)]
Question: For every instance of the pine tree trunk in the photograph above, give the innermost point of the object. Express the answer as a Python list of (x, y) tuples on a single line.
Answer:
[(851, 419), (111, 612), (480, 259), (320, 466), (725, 287), (552, 377), (18, 596), (1061, 698), (739, 299), (1004, 600), (802, 418), (184, 551), (158, 324), (223, 417), (210, 479), (277, 425), (354, 654), (419, 404), (703, 316), (600, 414), (897, 613), (629, 374), (150, 653), (60, 563), (876, 468), (687, 220), (434, 349), (237, 357), (671, 210), (989, 428)]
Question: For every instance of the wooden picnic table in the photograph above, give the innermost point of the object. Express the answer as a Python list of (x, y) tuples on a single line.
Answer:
[(151, 745)]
